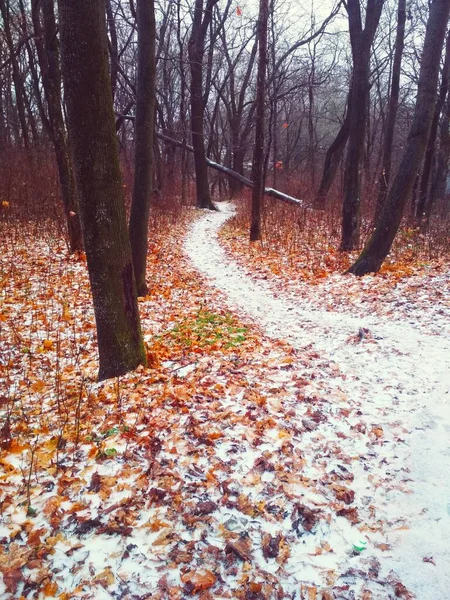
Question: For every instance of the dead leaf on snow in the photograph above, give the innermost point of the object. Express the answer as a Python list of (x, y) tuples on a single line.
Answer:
[(344, 494), (198, 581), (304, 516), (241, 548), (270, 545)]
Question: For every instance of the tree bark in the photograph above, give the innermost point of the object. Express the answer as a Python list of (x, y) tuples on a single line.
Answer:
[(379, 245), (430, 152), (258, 174), (17, 78), (392, 109), (49, 61), (196, 50), (93, 138), (333, 158), (438, 187), (144, 138), (113, 47), (361, 42)]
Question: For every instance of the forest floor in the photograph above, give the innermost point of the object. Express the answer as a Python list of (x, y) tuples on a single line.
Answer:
[(289, 439)]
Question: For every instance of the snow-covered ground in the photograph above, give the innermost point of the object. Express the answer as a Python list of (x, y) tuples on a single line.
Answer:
[(395, 376)]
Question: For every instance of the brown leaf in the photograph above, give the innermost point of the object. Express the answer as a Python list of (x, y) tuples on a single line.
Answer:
[(304, 516), (262, 464), (349, 513), (377, 431), (344, 494), (270, 545), (205, 508), (11, 578), (198, 581), (96, 483), (241, 548)]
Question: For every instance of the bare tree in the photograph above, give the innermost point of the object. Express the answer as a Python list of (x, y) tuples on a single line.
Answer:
[(92, 132), (361, 42), (423, 199), (47, 46), (144, 138), (379, 245), (196, 47), (258, 174), (392, 108)]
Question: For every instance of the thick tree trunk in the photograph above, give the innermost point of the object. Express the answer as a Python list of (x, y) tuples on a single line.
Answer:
[(144, 138), (258, 174), (379, 245), (361, 41), (49, 62), (392, 109), (196, 48), (93, 138)]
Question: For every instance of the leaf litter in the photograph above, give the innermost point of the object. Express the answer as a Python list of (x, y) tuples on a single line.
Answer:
[(235, 466), (386, 339)]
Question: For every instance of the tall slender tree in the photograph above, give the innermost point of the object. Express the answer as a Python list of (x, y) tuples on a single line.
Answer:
[(19, 88), (392, 108), (47, 46), (196, 49), (144, 139), (333, 158), (379, 245), (258, 152), (361, 42), (92, 133), (432, 139)]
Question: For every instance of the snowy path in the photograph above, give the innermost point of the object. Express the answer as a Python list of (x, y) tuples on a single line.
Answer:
[(399, 378)]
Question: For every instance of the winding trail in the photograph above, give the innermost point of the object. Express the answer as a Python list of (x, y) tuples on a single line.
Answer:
[(399, 379)]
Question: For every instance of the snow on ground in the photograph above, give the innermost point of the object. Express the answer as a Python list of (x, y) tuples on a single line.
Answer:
[(394, 374), (235, 466)]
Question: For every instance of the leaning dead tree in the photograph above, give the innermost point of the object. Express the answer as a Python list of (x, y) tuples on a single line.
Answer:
[(227, 171)]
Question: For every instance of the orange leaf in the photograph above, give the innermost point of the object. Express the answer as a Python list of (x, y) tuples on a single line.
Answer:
[(199, 580), (50, 589)]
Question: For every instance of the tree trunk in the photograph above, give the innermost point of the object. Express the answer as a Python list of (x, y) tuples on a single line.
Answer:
[(113, 47), (258, 174), (392, 109), (33, 71), (17, 78), (144, 138), (438, 188), (196, 48), (430, 152), (93, 138), (379, 245), (49, 62), (361, 42), (333, 158)]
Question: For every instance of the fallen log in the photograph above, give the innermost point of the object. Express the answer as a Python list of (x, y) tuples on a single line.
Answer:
[(217, 166), (226, 171)]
